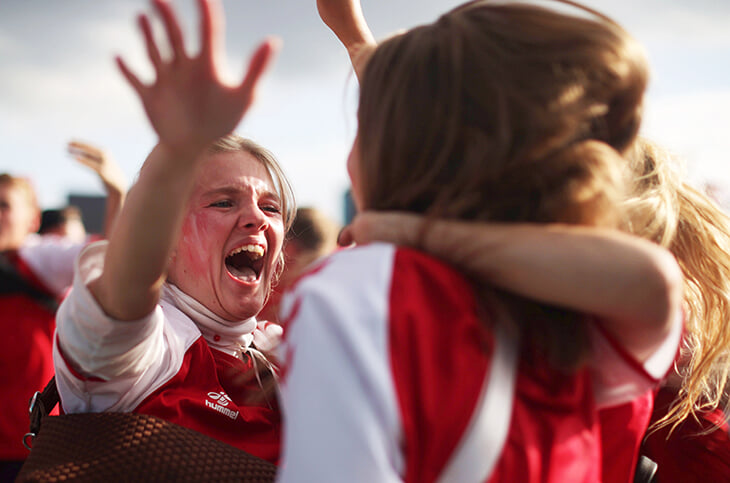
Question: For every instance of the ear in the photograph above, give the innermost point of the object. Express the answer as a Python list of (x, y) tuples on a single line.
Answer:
[(34, 221)]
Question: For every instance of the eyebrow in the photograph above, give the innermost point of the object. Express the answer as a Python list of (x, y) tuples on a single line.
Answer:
[(233, 190)]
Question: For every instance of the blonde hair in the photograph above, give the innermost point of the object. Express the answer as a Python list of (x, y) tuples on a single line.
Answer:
[(504, 112), (23, 185), (665, 208)]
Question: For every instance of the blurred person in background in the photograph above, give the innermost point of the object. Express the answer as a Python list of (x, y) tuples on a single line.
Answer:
[(312, 236), (66, 222), (36, 270)]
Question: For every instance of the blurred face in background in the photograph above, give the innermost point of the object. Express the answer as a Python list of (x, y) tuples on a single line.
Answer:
[(18, 216)]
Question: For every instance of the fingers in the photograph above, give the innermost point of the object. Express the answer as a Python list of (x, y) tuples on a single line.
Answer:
[(172, 27), (86, 151), (211, 27), (258, 64), (152, 50), (131, 78), (87, 155), (89, 163), (345, 238), (77, 147)]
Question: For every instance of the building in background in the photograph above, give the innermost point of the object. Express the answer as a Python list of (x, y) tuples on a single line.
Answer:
[(92, 210)]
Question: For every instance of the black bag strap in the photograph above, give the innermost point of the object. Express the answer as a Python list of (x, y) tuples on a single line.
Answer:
[(13, 282), (645, 470), (41, 404)]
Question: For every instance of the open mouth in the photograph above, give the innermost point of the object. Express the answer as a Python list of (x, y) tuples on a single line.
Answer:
[(245, 263)]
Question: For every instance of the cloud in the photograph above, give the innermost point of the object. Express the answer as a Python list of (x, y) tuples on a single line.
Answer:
[(689, 27), (58, 80), (695, 126)]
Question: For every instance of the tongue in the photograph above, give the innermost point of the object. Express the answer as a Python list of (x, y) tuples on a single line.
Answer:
[(245, 274)]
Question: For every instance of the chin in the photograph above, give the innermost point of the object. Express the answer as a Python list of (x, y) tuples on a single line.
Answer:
[(246, 309)]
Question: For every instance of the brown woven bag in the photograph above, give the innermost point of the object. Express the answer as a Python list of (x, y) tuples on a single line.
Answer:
[(98, 447)]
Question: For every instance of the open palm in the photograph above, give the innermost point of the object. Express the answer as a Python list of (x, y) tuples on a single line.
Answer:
[(188, 104)]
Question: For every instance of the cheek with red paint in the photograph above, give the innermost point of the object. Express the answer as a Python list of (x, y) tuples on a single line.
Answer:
[(192, 246)]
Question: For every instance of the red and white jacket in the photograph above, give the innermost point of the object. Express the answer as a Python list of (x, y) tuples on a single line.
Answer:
[(390, 376), (162, 365)]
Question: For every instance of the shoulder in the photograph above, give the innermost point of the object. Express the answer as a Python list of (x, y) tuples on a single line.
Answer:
[(378, 263), (350, 265), (51, 258)]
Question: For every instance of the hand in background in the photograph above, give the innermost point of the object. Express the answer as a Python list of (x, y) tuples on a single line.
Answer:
[(101, 162), (345, 18), (110, 174)]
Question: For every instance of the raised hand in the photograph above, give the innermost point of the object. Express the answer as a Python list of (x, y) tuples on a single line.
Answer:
[(346, 20), (101, 162), (110, 174), (188, 104)]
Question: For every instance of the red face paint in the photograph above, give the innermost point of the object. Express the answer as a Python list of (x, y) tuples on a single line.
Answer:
[(231, 237)]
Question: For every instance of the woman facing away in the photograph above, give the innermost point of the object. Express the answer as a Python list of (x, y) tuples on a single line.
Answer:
[(161, 318), (688, 437), (484, 115)]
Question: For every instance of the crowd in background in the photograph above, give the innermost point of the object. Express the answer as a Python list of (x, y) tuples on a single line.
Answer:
[(530, 290)]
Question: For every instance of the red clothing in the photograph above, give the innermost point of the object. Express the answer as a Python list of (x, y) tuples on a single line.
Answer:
[(207, 395), (388, 361), (26, 365), (687, 455), (162, 365), (622, 429), (26, 361), (553, 435)]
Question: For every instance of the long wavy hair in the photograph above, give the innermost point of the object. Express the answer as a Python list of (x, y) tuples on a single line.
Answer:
[(667, 209), (504, 112)]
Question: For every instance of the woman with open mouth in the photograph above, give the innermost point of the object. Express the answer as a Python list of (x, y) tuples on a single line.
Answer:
[(161, 318)]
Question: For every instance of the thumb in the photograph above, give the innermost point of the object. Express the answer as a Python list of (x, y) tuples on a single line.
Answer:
[(345, 238)]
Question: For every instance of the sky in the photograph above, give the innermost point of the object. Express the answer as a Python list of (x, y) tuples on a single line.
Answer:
[(58, 82)]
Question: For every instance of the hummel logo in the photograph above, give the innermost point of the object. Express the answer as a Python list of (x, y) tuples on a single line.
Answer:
[(222, 401), (221, 397)]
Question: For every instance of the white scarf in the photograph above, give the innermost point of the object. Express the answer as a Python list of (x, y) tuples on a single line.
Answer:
[(231, 337)]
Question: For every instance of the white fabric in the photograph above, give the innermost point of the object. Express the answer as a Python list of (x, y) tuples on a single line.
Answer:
[(338, 393), (341, 325), (267, 336), (51, 258), (479, 449), (225, 335), (132, 358), (617, 381)]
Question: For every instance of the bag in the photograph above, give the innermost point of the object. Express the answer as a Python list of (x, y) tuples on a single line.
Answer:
[(645, 470), (128, 447)]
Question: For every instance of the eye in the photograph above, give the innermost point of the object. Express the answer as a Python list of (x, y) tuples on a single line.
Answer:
[(221, 204), (271, 208)]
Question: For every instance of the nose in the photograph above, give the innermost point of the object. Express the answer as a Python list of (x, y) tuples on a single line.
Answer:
[(252, 217)]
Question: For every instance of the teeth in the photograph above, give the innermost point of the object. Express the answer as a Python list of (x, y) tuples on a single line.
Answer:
[(256, 251)]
